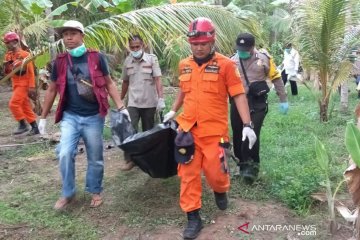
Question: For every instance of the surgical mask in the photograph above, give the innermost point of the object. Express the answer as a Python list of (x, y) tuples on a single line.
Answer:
[(137, 54), (78, 51), (287, 50), (243, 54)]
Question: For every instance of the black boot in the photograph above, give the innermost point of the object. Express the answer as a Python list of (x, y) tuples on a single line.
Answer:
[(34, 129), (221, 200), (194, 225), (249, 173), (22, 127)]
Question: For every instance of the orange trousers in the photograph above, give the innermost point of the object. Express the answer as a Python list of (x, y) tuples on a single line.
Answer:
[(206, 159), (20, 105)]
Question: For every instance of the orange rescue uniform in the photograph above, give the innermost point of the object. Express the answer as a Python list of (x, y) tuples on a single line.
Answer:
[(205, 115), (19, 104)]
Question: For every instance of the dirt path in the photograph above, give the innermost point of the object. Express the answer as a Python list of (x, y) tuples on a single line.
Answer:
[(137, 206)]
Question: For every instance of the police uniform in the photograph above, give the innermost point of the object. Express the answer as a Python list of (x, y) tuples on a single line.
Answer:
[(258, 67), (142, 95)]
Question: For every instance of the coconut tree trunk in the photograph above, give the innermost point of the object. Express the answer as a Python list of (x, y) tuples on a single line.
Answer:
[(324, 105), (344, 97)]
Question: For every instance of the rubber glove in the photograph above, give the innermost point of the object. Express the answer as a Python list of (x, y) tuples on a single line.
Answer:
[(126, 113), (170, 115), (249, 133), (284, 107), (42, 126), (160, 105)]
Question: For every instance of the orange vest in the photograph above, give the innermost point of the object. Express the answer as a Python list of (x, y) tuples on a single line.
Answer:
[(206, 90), (26, 79)]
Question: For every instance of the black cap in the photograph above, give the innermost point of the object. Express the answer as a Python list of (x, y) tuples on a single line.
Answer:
[(184, 147), (245, 41)]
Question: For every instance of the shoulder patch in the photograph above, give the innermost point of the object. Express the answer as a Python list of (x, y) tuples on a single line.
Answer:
[(266, 54)]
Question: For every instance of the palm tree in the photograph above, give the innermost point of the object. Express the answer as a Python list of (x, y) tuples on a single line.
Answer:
[(321, 33)]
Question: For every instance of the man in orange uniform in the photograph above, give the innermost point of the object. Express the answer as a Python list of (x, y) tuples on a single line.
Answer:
[(23, 83), (206, 79)]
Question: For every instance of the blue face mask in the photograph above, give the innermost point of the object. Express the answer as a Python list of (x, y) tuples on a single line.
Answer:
[(78, 51), (137, 54), (243, 54), (287, 50)]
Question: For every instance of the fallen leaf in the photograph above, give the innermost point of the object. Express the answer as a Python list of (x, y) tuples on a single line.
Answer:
[(352, 177)]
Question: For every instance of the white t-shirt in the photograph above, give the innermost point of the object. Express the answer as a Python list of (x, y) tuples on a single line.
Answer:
[(291, 62)]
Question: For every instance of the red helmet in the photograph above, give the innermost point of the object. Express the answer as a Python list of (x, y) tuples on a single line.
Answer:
[(11, 36), (201, 30)]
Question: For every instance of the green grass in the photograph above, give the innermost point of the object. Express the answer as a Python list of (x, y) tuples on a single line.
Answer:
[(289, 173), (289, 170)]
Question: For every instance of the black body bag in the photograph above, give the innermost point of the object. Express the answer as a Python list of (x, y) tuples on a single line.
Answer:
[(153, 150), (121, 127)]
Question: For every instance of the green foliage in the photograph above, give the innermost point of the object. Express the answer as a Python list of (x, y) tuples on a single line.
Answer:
[(352, 142), (322, 156)]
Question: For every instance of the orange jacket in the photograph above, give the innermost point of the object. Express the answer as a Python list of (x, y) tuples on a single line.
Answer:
[(206, 91), (15, 59)]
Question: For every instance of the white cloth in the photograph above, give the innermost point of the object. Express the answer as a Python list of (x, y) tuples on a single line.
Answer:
[(249, 133), (291, 63), (170, 115), (42, 126)]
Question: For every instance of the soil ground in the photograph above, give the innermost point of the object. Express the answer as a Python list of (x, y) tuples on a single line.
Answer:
[(136, 206)]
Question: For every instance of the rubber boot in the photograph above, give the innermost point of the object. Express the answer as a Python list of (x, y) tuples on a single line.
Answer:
[(221, 200), (34, 129), (194, 225), (21, 128)]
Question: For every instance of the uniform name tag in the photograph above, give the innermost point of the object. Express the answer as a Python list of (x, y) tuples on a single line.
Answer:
[(212, 69), (186, 70)]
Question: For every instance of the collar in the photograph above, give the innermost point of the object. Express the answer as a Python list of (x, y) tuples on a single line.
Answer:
[(145, 57)]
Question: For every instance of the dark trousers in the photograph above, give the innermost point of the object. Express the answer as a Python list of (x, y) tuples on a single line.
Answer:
[(258, 109), (293, 85), (146, 115)]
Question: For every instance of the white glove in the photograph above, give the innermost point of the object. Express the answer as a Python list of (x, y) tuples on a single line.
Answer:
[(160, 105), (42, 126), (247, 132), (126, 113), (170, 115)]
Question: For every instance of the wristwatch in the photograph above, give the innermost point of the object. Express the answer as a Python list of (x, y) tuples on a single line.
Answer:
[(250, 125)]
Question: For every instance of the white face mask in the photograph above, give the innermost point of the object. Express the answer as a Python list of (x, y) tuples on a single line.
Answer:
[(137, 54)]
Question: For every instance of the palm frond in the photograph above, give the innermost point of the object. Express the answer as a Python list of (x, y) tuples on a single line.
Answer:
[(167, 22)]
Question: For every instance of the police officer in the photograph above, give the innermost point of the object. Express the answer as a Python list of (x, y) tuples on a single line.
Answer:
[(206, 78), (256, 66), (141, 77)]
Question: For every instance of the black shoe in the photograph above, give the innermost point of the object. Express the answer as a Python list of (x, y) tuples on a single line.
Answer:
[(21, 128), (249, 173), (221, 200), (194, 225), (33, 131)]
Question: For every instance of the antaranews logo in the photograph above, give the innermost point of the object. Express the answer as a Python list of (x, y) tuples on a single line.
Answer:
[(248, 232)]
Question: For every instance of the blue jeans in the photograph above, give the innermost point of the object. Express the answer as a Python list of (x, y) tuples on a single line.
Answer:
[(90, 129)]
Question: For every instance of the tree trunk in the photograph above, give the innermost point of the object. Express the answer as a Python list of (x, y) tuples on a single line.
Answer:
[(344, 97), (324, 104)]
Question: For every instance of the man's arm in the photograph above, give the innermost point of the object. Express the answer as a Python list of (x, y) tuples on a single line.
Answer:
[(159, 87), (49, 99), (124, 88), (113, 92), (242, 107)]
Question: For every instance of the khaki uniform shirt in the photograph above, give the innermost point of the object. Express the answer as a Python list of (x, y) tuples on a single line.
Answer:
[(140, 74), (260, 67)]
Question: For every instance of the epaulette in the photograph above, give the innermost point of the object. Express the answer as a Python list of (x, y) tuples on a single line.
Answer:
[(232, 55), (265, 53)]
